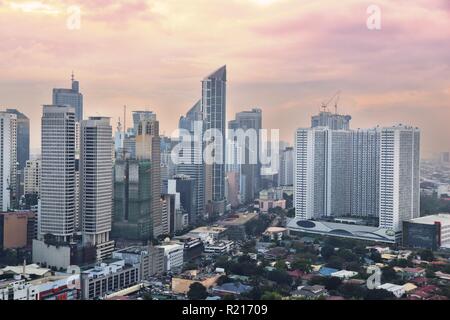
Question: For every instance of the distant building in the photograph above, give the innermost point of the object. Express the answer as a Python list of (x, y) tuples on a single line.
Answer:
[(8, 160), (249, 124), (58, 181), (96, 185), (214, 115), (232, 288), (182, 283), (32, 177), (173, 256), (429, 232), (368, 174), (219, 247), (109, 277), (286, 173), (70, 97), (209, 233), (236, 225), (132, 200), (17, 229), (149, 258)]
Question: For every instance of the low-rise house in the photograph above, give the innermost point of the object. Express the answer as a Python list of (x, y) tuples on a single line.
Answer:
[(180, 284), (409, 287), (327, 272), (344, 274), (414, 272), (276, 253), (425, 293), (296, 274), (396, 290), (231, 288), (420, 281), (310, 292), (442, 275)]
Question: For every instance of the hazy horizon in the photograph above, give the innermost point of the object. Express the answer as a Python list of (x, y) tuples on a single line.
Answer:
[(283, 56)]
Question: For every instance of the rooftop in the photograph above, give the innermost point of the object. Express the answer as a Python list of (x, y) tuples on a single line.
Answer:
[(238, 219), (443, 218)]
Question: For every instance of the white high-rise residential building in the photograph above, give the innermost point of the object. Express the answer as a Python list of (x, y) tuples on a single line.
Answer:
[(8, 158), (57, 212), (286, 173), (32, 176), (399, 176), (322, 171), (365, 172), (96, 189)]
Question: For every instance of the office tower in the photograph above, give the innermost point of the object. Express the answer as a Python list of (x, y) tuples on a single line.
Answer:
[(168, 168), (214, 112), (96, 184), (399, 176), (185, 187), (58, 172), (195, 167), (23, 137), (148, 147), (7, 159), (23, 148), (70, 97), (132, 200), (32, 183), (286, 172), (249, 123), (365, 172), (179, 217), (32, 176), (331, 120), (138, 116), (78, 221)]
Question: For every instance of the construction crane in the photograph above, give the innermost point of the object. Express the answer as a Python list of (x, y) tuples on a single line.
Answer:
[(335, 97)]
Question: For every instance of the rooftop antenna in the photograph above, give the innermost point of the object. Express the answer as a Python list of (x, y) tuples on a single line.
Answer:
[(72, 77)]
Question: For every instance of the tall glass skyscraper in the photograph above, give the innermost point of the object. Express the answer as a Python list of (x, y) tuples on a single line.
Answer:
[(250, 172), (70, 97), (195, 168), (214, 113)]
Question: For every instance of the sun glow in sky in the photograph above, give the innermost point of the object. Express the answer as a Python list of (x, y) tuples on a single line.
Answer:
[(284, 56)]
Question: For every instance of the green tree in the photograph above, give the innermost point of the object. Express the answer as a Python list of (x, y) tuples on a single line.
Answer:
[(332, 283), (197, 291), (426, 255), (271, 296), (279, 276), (327, 252)]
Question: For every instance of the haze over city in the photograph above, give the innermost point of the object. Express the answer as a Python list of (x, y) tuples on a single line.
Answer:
[(283, 56)]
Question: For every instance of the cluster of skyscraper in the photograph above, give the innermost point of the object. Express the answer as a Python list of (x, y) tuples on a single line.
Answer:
[(91, 188), (364, 173)]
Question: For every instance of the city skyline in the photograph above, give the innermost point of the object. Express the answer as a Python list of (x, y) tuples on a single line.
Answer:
[(380, 82)]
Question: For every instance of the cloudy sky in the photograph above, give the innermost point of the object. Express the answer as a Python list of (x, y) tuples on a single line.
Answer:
[(284, 56)]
